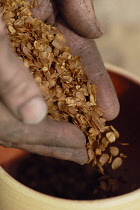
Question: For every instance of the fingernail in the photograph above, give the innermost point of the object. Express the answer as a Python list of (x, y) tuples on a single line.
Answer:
[(33, 111)]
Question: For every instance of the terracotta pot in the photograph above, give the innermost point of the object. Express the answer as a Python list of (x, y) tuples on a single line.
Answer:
[(15, 196)]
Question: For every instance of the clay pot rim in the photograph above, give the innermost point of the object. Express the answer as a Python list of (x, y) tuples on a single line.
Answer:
[(122, 72), (45, 199), (26, 191)]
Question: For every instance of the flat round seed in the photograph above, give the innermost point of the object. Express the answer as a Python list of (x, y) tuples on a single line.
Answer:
[(114, 151), (110, 136), (117, 162), (104, 159)]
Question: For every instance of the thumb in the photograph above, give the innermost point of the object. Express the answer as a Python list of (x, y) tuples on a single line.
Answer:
[(18, 91), (80, 16)]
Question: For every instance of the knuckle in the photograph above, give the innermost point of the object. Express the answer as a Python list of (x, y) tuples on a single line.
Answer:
[(12, 85), (19, 85)]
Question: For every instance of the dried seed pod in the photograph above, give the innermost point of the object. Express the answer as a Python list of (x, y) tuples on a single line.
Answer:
[(117, 162), (98, 151), (102, 147), (114, 151), (124, 143), (110, 136), (105, 142), (103, 185), (115, 187), (115, 131), (91, 155), (111, 181), (100, 168), (123, 155), (110, 159), (104, 159)]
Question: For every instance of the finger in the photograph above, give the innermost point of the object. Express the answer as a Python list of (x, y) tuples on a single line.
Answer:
[(76, 155), (48, 132), (80, 16), (17, 87), (94, 68), (45, 10), (52, 18)]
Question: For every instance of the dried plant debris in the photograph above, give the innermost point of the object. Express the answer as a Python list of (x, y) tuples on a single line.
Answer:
[(108, 187), (60, 76), (117, 162), (114, 151)]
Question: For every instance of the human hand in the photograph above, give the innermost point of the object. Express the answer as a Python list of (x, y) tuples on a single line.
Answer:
[(63, 140), (22, 111), (77, 21)]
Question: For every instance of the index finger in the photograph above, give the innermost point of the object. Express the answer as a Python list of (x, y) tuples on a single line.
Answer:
[(47, 133), (18, 89), (76, 155)]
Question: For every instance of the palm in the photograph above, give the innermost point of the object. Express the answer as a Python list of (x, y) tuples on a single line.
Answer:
[(76, 20)]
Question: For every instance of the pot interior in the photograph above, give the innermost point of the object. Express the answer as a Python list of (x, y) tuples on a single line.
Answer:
[(69, 180)]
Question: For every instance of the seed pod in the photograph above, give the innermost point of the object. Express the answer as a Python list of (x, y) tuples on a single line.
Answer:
[(114, 151), (110, 136), (123, 155), (104, 159), (117, 162), (98, 151)]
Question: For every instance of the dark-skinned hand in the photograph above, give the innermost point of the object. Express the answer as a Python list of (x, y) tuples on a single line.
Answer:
[(23, 121)]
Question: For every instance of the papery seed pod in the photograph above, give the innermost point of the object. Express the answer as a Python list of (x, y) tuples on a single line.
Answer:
[(110, 136), (114, 151), (104, 159), (117, 162)]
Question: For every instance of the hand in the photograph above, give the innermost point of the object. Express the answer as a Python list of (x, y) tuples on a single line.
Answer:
[(22, 104), (77, 21), (62, 140)]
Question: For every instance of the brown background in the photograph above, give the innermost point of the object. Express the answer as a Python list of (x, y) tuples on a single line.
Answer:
[(120, 43)]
